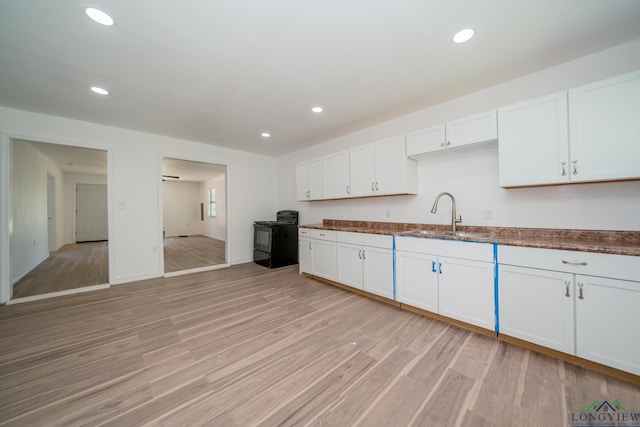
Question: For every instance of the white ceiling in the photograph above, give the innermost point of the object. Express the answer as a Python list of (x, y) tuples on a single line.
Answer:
[(191, 171), (222, 72), (73, 159)]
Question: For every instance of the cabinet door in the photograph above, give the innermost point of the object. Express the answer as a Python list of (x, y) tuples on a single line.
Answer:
[(604, 124), (607, 320), (466, 291), (323, 259), (473, 129), (336, 180), (349, 261), (302, 181), (534, 143), (378, 271), (316, 179), (537, 306), (361, 166), (390, 166), (304, 254), (417, 280), (425, 141)]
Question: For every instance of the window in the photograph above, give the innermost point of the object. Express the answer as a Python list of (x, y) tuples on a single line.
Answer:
[(212, 202)]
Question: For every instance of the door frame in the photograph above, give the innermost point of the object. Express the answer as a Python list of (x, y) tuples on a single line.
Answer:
[(227, 245), (51, 213), (6, 167)]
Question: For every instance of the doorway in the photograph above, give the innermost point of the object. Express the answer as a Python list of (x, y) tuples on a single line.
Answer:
[(194, 215), (46, 258)]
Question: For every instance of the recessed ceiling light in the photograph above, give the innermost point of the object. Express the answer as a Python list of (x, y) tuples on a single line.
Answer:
[(317, 109), (99, 90), (265, 134), (463, 35), (99, 16)]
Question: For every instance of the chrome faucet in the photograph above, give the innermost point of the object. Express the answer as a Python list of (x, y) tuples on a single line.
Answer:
[(454, 220)]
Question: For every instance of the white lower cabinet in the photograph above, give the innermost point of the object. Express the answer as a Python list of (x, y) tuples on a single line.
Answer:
[(323, 259), (365, 261), (416, 285), (451, 278), (317, 252), (565, 301), (534, 306), (607, 321), (304, 252), (466, 291)]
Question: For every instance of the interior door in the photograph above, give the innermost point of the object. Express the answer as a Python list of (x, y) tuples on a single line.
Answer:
[(91, 213)]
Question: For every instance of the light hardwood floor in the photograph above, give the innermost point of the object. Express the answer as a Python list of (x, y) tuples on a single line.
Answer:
[(84, 264), (248, 345), (185, 253), (70, 267)]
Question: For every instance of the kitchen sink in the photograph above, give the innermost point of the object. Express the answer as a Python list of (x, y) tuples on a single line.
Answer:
[(447, 233)]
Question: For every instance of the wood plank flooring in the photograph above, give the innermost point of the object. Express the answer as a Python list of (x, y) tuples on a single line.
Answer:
[(185, 253), (248, 345), (70, 267), (84, 264)]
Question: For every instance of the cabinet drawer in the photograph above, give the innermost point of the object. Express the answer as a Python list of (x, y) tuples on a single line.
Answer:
[(449, 248), (365, 239), (588, 263), (317, 234)]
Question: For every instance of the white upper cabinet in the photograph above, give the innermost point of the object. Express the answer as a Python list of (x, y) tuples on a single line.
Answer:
[(604, 129), (426, 141), (382, 168), (310, 180), (337, 178), (363, 170), (454, 134), (481, 127), (534, 142), (593, 135)]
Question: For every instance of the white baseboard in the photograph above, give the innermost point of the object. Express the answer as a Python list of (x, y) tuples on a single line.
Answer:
[(58, 294), (196, 270)]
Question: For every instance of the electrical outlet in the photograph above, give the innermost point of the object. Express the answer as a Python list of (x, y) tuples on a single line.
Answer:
[(488, 214)]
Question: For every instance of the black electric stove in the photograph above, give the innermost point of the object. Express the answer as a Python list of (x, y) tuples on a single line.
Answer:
[(275, 243)]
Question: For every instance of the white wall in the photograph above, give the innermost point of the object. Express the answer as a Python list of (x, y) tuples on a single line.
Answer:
[(181, 208), (472, 176), (69, 216), (29, 226), (215, 227), (134, 161)]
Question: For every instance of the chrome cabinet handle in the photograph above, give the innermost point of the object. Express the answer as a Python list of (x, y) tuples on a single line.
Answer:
[(440, 267), (580, 296), (575, 167), (433, 266), (448, 143), (348, 190), (364, 254), (567, 283), (574, 263), (377, 186), (360, 253), (372, 186), (564, 169), (442, 144), (309, 245)]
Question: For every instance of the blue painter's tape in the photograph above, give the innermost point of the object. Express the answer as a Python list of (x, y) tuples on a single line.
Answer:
[(495, 286)]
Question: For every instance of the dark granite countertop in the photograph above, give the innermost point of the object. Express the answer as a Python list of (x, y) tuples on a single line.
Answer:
[(601, 241)]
